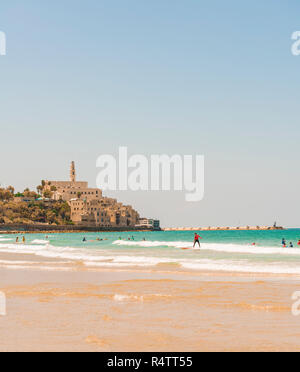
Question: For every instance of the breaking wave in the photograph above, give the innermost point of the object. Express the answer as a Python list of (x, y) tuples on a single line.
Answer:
[(116, 258), (37, 241), (230, 248)]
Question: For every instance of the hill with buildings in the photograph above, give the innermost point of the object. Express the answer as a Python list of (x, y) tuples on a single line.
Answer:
[(69, 203)]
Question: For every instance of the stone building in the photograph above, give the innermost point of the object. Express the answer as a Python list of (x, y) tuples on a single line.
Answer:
[(89, 207), (67, 190), (149, 223)]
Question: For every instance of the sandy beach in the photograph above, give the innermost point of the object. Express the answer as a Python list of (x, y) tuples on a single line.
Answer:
[(75, 309)]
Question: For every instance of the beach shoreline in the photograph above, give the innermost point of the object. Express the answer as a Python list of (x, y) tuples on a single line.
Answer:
[(68, 294), (84, 310)]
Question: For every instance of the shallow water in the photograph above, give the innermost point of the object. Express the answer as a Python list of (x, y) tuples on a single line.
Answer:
[(225, 251)]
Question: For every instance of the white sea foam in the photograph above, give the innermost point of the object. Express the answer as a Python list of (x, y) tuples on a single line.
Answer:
[(151, 258), (230, 248), (233, 266), (126, 298), (37, 241), (209, 265)]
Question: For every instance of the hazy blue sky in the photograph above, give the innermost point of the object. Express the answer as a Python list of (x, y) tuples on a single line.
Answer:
[(210, 77)]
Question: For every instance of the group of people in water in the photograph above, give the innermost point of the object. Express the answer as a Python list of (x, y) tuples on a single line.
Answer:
[(130, 238), (18, 239), (97, 240), (197, 238), (291, 245)]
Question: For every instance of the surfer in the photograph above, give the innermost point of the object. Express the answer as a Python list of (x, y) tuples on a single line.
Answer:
[(196, 240)]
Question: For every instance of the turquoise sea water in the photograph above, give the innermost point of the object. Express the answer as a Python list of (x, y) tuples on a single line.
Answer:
[(220, 250)]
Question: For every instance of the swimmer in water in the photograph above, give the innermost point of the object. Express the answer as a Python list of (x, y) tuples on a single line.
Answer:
[(84, 240)]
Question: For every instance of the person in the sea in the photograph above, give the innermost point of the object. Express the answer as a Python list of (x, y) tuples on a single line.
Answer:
[(299, 242), (17, 240), (84, 239), (23, 239), (291, 245), (196, 240), (283, 242)]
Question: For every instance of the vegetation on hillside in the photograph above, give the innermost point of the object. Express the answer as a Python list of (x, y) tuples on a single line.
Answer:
[(33, 212)]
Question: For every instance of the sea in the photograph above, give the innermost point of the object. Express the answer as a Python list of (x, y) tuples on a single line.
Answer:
[(220, 251)]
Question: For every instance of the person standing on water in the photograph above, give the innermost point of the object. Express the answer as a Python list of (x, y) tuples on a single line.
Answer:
[(196, 240)]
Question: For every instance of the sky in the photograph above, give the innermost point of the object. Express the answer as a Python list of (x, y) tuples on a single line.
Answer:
[(215, 78)]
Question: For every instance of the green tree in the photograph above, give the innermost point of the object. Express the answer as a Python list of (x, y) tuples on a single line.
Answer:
[(39, 189), (48, 194), (11, 189)]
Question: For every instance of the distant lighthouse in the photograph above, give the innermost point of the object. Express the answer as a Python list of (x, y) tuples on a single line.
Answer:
[(72, 172)]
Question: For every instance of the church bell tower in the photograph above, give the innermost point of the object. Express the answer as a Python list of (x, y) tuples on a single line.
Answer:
[(72, 172)]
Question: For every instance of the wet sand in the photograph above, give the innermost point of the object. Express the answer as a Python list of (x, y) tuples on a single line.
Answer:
[(109, 310)]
